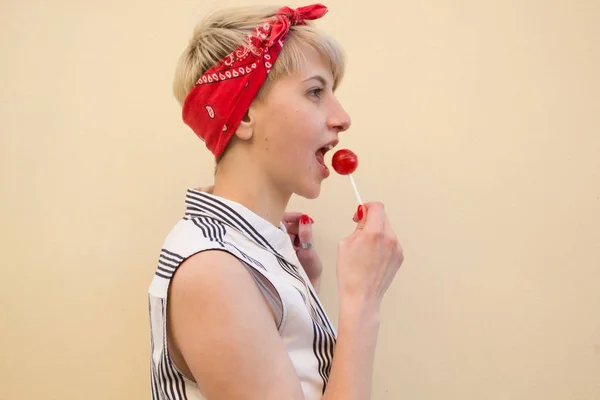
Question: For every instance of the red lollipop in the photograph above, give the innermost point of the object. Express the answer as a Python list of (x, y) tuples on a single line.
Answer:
[(345, 162)]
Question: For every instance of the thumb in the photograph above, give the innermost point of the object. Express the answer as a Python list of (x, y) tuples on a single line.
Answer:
[(360, 217)]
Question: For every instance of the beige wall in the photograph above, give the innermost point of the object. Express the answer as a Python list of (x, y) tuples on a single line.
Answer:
[(485, 146)]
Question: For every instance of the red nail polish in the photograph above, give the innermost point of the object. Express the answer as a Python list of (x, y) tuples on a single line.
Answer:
[(305, 219), (360, 212)]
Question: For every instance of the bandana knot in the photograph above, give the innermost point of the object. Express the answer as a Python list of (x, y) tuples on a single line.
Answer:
[(299, 15)]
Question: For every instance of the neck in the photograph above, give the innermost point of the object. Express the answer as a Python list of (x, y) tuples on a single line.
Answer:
[(248, 187)]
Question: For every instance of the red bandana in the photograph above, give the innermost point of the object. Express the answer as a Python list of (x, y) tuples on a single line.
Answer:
[(220, 98)]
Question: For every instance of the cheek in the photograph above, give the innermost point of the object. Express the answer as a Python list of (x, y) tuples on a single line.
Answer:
[(292, 133)]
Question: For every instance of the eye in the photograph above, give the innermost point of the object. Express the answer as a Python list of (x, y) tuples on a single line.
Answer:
[(316, 92)]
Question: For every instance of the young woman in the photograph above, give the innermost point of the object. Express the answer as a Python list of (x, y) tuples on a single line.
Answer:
[(234, 307)]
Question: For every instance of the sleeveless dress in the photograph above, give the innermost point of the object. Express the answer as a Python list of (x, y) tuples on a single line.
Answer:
[(213, 223)]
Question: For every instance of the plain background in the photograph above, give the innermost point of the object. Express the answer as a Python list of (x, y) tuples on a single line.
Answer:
[(477, 123)]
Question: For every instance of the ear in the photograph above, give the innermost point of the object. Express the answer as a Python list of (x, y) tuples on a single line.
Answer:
[(245, 129)]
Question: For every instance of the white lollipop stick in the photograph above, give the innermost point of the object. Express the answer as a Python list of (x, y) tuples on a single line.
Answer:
[(355, 189)]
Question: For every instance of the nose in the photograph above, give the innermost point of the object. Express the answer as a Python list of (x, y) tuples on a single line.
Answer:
[(339, 120)]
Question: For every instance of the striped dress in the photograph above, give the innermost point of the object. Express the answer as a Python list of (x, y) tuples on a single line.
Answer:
[(211, 222)]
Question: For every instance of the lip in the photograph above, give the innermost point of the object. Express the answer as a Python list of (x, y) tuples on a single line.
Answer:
[(324, 150), (329, 145), (324, 170), (320, 159)]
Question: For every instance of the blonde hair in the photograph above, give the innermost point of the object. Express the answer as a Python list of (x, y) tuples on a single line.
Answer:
[(222, 31)]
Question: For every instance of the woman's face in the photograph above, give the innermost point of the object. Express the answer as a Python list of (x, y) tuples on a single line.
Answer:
[(294, 124)]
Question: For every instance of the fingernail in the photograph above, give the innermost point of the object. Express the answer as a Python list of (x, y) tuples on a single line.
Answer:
[(305, 219), (360, 212)]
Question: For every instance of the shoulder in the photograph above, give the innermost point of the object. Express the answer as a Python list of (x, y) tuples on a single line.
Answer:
[(211, 263), (215, 280), (213, 270)]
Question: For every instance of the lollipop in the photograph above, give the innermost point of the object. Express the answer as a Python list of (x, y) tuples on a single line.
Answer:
[(344, 163)]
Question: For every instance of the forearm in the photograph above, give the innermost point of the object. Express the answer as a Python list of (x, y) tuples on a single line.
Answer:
[(352, 368)]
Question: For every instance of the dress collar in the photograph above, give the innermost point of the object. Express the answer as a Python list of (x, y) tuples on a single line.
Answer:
[(201, 201)]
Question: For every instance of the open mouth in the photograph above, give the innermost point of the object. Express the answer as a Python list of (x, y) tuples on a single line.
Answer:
[(321, 153)]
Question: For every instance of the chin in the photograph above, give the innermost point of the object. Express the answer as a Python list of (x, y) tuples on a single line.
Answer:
[(312, 196), (311, 190)]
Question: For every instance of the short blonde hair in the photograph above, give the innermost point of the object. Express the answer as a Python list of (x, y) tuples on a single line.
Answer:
[(222, 31)]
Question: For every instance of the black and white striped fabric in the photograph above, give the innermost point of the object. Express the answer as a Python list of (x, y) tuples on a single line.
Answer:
[(211, 222)]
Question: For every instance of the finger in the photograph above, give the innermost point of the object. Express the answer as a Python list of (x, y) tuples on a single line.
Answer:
[(292, 220), (373, 218), (292, 228), (291, 217), (356, 215), (295, 242), (305, 231)]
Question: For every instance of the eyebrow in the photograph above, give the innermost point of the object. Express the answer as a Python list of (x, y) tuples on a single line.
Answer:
[(318, 78)]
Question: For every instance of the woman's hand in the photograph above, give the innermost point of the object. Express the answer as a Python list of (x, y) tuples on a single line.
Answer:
[(369, 258), (299, 228)]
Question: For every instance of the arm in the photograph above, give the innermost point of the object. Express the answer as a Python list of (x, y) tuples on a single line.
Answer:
[(214, 299), (226, 333), (206, 321), (367, 263), (352, 368)]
